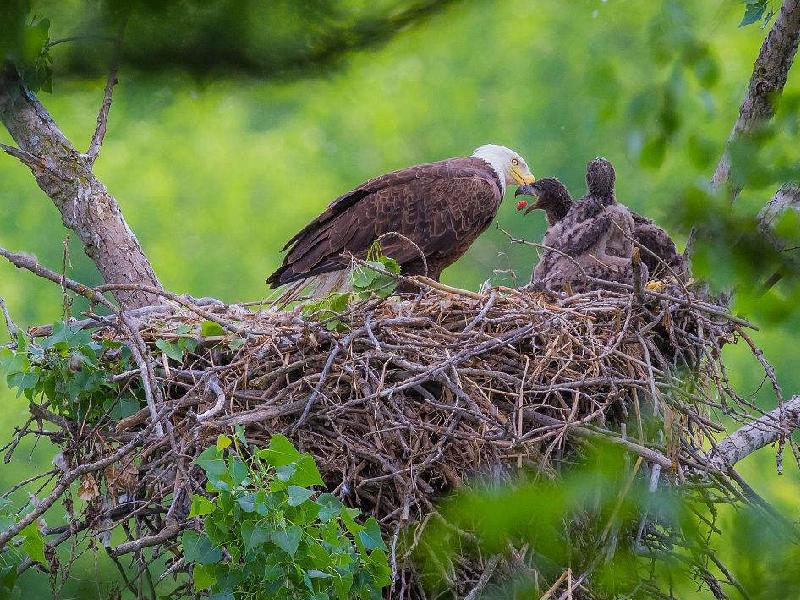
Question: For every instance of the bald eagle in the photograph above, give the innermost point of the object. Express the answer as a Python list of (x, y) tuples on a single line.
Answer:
[(593, 236), (659, 253), (425, 217)]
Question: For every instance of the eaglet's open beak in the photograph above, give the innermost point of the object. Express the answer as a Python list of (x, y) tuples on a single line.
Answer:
[(525, 190), (528, 190)]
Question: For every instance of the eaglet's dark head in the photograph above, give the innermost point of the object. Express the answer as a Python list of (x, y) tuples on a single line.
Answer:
[(600, 178), (551, 196)]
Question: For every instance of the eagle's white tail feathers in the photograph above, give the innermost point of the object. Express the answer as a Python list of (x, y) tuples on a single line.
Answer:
[(335, 281), (316, 287)]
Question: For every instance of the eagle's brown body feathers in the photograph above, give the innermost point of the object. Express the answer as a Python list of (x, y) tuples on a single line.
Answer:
[(441, 207)]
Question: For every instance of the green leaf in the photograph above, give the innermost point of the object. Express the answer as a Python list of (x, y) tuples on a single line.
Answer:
[(378, 566), (235, 344), (254, 535), (288, 540), (753, 12), (203, 576), (371, 535), (172, 351), (262, 503), (362, 276), (240, 435), (211, 462), (197, 548), (315, 574), (306, 473), (238, 472), (33, 544), (200, 506), (8, 579), (211, 329), (223, 441), (280, 452), (343, 585), (247, 502), (125, 407), (298, 495), (330, 507), (12, 362)]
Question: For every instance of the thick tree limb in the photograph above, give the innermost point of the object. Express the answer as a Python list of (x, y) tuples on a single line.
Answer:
[(66, 177), (756, 434), (770, 72)]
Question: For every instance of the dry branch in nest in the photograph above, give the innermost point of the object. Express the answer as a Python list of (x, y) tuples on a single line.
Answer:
[(399, 400)]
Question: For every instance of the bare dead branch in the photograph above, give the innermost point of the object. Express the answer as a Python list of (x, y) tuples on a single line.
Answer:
[(485, 577), (648, 454), (10, 326), (102, 118), (146, 542), (214, 386), (770, 72), (757, 434), (28, 262)]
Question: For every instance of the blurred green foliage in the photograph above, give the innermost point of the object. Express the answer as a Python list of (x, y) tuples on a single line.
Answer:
[(618, 538), (215, 172)]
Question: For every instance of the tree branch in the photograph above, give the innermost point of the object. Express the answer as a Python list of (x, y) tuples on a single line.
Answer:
[(66, 177), (770, 72), (102, 118), (786, 198), (756, 434)]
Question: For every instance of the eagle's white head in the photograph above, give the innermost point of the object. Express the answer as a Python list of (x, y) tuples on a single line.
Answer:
[(510, 167)]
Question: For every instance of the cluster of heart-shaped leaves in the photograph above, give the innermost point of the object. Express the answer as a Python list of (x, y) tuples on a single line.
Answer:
[(72, 372), (263, 532)]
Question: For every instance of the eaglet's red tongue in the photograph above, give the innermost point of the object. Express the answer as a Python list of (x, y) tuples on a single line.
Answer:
[(522, 204)]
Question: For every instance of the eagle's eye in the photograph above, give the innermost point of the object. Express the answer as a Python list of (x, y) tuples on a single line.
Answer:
[(514, 162)]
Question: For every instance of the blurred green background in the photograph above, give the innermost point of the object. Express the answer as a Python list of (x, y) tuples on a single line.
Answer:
[(215, 173)]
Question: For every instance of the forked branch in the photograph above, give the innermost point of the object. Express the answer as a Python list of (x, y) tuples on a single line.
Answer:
[(65, 175)]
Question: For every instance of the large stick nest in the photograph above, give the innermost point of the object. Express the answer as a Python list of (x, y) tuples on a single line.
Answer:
[(403, 400)]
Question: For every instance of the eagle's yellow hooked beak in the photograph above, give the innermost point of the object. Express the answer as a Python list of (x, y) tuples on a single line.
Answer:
[(520, 176)]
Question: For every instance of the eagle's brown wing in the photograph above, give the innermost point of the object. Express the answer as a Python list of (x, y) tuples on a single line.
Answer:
[(442, 207), (658, 242)]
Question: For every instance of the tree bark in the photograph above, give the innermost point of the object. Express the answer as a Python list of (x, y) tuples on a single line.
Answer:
[(756, 434), (86, 207), (770, 72)]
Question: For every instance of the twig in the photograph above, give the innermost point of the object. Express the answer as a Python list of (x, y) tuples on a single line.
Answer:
[(149, 541), (67, 479), (102, 116), (636, 266), (213, 385), (12, 329), (585, 432), (26, 158), (483, 581)]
